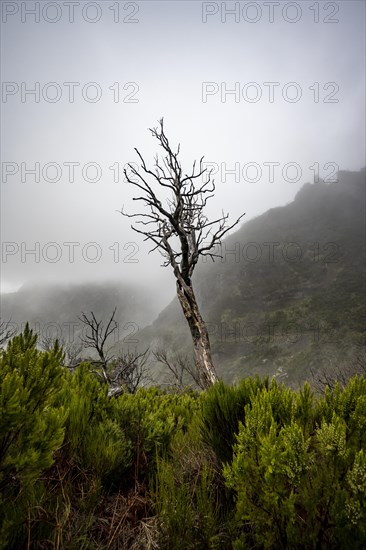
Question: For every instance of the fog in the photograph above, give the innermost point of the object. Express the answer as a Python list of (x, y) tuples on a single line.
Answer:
[(271, 93)]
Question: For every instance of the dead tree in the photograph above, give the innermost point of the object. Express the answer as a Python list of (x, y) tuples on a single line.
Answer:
[(128, 372), (329, 376), (7, 331), (180, 367), (72, 350), (96, 337), (180, 219)]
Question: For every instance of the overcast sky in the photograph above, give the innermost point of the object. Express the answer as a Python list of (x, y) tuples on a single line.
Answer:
[(272, 93)]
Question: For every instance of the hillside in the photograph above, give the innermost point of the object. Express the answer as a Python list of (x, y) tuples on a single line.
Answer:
[(289, 297), (54, 309)]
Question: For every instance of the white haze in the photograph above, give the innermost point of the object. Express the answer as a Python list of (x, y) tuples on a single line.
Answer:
[(168, 52)]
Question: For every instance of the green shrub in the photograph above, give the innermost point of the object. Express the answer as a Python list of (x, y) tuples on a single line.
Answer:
[(186, 494), (300, 482), (222, 410), (96, 440), (31, 426)]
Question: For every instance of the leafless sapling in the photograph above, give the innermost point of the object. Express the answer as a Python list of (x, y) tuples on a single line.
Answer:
[(180, 367), (128, 371), (96, 337), (7, 331)]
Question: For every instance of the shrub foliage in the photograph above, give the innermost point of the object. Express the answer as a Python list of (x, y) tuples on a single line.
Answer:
[(255, 465)]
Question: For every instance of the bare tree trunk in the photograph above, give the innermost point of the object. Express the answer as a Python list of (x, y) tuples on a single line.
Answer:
[(199, 333)]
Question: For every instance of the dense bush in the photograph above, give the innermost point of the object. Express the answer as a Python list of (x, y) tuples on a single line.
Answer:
[(222, 410), (31, 425), (255, 465), (299, 469)]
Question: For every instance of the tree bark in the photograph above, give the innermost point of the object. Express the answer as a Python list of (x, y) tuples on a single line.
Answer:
[(201, 342)]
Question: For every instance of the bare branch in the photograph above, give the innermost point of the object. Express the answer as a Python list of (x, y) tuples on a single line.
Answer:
[(128, 372), (97, 336), (7, 331), (181, 367)]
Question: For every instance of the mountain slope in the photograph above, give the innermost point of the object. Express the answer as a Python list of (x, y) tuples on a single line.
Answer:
[(54, 309), (288, 294)]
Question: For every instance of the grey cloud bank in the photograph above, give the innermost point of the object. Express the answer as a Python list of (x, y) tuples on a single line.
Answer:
[(272, 93)]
